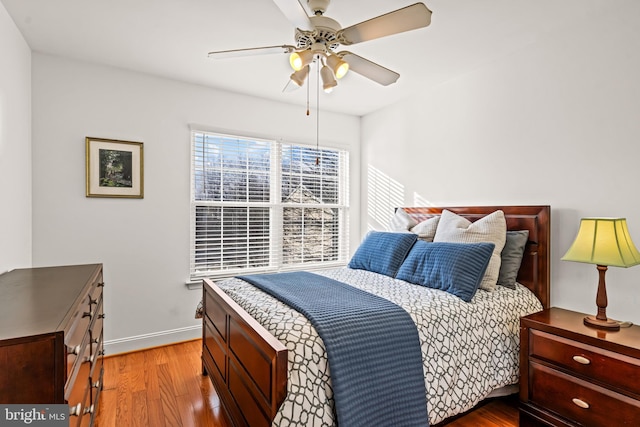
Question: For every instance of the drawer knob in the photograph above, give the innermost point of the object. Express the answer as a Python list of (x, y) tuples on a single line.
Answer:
[(580, 403), (581, 359), (88, 410), (75, 350), (96, 384), (75, 410), (101, 285)]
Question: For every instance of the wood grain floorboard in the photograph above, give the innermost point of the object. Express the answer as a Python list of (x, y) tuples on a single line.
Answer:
[(164, 387)]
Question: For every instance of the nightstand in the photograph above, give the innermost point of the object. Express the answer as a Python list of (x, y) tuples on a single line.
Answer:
[(571, 374)]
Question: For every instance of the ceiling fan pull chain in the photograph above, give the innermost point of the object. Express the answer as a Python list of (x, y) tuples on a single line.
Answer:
[(308, 86), (318, 114)]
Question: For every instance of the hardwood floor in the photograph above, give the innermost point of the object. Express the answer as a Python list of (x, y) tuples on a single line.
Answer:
[(164, 387), (159, 387)]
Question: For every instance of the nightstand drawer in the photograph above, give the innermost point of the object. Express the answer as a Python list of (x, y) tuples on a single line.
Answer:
[(580, 401), (609, 368)]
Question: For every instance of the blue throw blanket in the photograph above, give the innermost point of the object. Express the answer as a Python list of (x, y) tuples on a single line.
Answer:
[(372, 346)]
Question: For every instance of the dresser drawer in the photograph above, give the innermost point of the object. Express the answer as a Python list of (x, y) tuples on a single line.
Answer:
[(97, 350), (606, 367), (75, 363), (96, 290), (96, 384), (580, 401), (76, 393), (74, 340), (83, 417), (97, 316)]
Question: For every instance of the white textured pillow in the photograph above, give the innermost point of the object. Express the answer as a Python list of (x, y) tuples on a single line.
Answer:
[(491, 228), (426, 230), (401, 221)]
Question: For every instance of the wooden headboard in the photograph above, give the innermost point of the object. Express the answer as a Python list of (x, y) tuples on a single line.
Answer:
[(535, 268)]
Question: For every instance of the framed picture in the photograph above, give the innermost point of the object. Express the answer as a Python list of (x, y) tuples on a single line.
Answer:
[(114, 168)]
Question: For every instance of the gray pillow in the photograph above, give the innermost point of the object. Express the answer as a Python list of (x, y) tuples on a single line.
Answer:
[(512, 257)]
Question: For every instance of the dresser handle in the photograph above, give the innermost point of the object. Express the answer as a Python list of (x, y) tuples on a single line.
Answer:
[(88, 410), (75, 410), (582, 360), (88, 314), (75, 350), (96, 384), (89, 359), (580, 403), (101, 316), (101, 285)]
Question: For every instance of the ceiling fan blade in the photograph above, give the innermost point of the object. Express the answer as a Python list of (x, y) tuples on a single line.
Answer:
[(406, 19), (290, 87), (221, 54), (368, 69), (295, 13)]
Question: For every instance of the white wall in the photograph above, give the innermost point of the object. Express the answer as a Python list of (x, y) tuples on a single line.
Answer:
[(144, 244), (555, 123), (15, 147)]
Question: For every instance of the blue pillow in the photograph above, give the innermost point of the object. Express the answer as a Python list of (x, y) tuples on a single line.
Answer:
[(383, 252), (456, 268)]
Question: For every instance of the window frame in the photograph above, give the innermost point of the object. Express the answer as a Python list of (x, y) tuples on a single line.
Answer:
[(276, 207)]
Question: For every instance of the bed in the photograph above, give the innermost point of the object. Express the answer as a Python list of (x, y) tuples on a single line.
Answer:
[(261, 379)]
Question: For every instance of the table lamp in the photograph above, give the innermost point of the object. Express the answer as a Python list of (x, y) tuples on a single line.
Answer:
[(604, 242)]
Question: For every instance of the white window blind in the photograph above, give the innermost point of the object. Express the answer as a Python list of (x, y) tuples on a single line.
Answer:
[(260, 205)]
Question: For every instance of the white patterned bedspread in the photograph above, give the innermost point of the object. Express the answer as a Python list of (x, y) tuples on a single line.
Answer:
[(469, 349)]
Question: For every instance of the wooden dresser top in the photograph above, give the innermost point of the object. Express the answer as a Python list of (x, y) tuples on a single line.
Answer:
[(36, 301)]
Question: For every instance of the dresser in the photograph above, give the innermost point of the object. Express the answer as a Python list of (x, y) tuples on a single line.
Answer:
[(51, 340), (575, 375)]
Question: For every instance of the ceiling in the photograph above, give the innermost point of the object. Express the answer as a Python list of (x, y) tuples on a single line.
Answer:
[(171, 38)]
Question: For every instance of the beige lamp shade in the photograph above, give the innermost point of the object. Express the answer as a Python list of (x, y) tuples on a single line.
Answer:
[(603, 241)]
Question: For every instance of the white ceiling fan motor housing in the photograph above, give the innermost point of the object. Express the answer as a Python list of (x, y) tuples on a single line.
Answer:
[(325, 32)]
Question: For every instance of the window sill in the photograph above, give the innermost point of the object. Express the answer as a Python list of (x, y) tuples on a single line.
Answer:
[(194, 285)]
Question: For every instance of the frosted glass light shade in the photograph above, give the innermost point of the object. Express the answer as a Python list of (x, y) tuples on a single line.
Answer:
[(603, 241)]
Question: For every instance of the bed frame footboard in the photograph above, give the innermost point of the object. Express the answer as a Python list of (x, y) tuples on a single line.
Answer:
[(246, 364)]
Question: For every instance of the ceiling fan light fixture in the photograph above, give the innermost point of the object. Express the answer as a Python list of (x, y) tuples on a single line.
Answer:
[(328, 79), (300, 59), (338, 65), (298, 77)]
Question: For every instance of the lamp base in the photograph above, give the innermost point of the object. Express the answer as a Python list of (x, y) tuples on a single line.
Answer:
[(608, 324)]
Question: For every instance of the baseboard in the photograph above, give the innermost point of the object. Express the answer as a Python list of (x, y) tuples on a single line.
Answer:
[(139, 342)]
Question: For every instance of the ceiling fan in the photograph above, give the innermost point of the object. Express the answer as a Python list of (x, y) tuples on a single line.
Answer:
[(318, 37)]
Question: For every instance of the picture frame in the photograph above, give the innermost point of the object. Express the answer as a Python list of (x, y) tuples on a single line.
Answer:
[(114, 168)]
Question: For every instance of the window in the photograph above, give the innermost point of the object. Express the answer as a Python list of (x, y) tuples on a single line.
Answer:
[(260, 205)]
